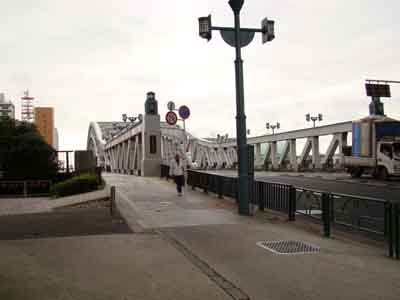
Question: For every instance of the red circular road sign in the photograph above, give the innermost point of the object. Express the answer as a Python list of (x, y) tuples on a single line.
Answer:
[(171, 118), (184, 112)]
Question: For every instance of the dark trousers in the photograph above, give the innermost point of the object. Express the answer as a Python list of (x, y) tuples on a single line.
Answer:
[(180, 182)]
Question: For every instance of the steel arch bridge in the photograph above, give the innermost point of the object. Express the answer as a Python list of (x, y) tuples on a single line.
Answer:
[(122, 147)]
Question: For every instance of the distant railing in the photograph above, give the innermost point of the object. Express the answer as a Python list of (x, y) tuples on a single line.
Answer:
[(164, 171), (25, 188), (373, 216)]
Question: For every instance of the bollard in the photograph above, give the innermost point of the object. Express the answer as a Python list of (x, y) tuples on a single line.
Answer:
[(112, 200), (326, 215)]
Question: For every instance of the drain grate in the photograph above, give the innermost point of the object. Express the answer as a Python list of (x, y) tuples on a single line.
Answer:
[(288, 247)]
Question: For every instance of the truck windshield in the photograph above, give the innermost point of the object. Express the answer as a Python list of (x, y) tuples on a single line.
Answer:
[(396, 150)]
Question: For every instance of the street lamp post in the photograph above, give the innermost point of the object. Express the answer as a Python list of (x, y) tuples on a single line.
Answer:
[(273, 126), (313, 118), (239, 37)]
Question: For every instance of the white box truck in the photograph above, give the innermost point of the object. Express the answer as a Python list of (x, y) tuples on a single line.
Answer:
[(375, 148)]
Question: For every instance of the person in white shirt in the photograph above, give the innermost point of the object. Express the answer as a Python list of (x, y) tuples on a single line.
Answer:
[(177, 171)]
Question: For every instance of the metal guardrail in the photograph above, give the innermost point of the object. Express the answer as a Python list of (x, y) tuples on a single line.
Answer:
[(341, 211), (164, 171), (24, 187)]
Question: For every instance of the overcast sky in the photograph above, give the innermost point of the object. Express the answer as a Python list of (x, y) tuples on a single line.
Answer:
[(93, 60)]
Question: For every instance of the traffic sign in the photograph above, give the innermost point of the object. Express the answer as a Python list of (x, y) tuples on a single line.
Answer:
[(184, 112), (171, 105), (171, 118)]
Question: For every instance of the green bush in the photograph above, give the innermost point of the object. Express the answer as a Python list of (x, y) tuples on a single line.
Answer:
[(23, 152), (76, 185)]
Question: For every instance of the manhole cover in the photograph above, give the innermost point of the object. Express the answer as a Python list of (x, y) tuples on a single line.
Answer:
[(288, 247)]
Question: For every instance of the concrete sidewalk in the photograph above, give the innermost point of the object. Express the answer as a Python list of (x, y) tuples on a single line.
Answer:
[(223, 246), (102, 267)]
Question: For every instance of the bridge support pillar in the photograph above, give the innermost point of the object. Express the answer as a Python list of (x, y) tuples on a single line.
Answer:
[(342, 143), (274, 158), (257, 155), (293, 155), (316, 157)]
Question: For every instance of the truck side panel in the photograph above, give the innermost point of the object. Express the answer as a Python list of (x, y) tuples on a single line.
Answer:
[(351, 161), (365, 139), (356, 140), (387, 129)]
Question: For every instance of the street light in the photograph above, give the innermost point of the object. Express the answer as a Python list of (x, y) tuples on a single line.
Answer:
[(205, 27), (313, 118), (238, 37), (273, 126), (222, 138), (125, 118)]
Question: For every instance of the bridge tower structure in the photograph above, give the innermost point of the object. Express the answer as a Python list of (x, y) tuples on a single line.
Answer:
[(151, 143)]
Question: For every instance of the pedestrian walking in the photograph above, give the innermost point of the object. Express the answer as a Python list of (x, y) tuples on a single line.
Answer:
[(177, 171)]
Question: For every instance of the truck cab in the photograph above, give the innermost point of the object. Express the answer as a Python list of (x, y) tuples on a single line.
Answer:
[(388, 159)]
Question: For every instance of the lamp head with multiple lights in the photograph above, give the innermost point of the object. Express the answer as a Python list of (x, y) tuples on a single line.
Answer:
[(205, 30), (268, 30)]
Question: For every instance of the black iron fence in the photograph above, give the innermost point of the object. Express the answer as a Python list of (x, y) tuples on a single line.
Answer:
[(24, 187), (164, 171), (392, 224), (375, 217)]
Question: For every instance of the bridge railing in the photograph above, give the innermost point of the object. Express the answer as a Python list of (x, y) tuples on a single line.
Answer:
[(375, 218)]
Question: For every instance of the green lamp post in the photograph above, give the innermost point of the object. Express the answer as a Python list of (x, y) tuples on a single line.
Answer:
[(238, 38)]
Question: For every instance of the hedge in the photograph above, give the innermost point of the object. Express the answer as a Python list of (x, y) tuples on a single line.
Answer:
[(76, 185)]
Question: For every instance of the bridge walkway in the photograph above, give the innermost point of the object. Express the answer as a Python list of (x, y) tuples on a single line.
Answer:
[(223, 245)]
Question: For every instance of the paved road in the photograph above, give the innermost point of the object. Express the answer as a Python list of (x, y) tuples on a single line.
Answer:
[(335, 183)]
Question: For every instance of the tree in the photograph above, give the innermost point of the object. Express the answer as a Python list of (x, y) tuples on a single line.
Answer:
[(23, 152)]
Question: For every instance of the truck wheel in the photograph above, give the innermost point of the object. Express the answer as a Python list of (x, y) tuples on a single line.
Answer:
[(356, 172), (383, 173)]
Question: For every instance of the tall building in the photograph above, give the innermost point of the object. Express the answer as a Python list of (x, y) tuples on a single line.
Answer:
[(7, 109), (44, 121)]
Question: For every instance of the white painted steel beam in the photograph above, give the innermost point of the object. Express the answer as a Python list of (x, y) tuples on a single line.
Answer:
[(299, 134)]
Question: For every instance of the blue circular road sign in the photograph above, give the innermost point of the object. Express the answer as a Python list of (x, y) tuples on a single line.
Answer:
[(184, 112)]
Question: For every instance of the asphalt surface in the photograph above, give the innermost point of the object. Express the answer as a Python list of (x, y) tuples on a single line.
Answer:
[(365, 187), (334, 186), (62, 223)]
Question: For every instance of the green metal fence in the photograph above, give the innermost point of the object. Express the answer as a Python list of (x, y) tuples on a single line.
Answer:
[(375, 217)]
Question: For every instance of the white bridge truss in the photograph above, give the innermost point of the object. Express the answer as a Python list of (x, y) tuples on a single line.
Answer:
[(118, 147)]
